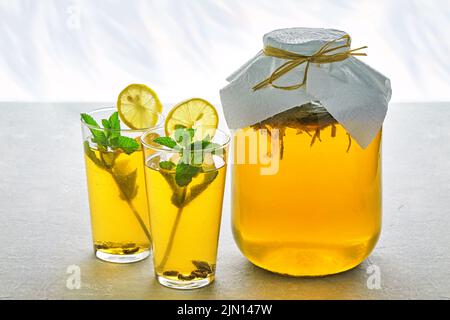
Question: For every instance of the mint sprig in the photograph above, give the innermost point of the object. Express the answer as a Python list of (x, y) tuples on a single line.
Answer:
[(108, 140), (166, 142), (191, 164), (192, 153), (109, 137)]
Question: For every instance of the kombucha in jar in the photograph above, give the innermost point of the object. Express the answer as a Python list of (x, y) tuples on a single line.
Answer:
[(315, 209)]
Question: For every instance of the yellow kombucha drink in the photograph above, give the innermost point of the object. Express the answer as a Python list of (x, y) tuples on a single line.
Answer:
[(187, 222), (320, 213), (118, 203)]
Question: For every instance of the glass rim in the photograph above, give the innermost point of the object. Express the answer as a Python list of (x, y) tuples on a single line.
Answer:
[(221, 146), (159, 124)]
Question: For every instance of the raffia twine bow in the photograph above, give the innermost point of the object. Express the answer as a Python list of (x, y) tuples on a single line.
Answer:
[(295, 59)]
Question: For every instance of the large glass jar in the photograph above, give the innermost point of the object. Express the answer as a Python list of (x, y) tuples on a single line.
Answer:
[(317, 211)]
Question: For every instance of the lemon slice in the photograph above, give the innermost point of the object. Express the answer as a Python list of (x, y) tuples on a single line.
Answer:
[(138, 106), (193, 113)]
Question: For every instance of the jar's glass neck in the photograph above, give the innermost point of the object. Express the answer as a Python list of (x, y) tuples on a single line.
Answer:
[(312, 114)]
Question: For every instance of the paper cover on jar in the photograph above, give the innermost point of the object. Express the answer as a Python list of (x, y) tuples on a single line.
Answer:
[(356, 95)]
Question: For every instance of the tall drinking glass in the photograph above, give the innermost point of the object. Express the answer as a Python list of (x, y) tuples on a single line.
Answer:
[(185, 214), (117, 193)]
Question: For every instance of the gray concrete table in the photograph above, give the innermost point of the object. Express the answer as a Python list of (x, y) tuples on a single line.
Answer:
[(44, 219)]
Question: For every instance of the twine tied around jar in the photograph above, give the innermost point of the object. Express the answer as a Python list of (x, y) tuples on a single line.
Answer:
[(295, 59)]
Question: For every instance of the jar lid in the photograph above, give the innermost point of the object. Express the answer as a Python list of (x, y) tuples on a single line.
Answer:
[(305, 41), (356, 95)]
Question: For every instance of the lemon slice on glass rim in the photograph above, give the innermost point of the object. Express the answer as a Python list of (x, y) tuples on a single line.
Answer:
[(194, 113), (138, 106)]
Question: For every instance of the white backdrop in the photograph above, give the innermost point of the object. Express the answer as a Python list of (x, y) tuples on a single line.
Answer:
[(68, 50)]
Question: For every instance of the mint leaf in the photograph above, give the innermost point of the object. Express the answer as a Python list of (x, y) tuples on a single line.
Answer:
[(106, 124), (166, 141), (127, 184), (98, 135), (184, 173), (167, 165), (128, 145), (114, 121), (180, 126), (89, 120)]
